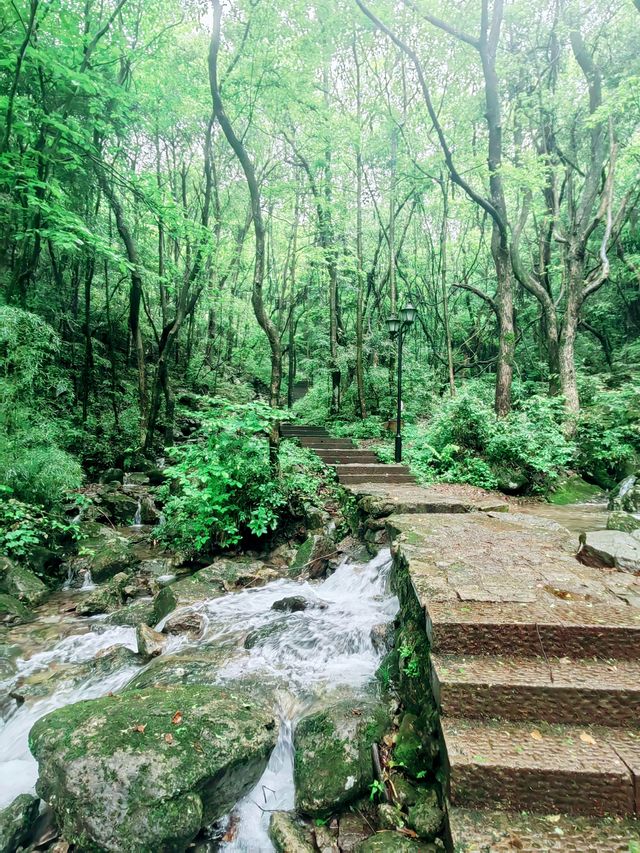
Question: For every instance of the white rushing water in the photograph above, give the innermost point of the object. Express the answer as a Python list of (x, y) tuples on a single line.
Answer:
[(304, 656), (324, 647)]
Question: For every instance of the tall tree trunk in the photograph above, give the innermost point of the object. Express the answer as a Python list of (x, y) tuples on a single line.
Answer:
[(135, 296), (257, 300)]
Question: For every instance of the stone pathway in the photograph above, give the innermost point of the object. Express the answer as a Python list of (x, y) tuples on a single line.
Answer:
[(535, 662), (535, 666)]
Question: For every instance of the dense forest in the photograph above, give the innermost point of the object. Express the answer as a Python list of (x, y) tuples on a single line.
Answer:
[(203, 205)]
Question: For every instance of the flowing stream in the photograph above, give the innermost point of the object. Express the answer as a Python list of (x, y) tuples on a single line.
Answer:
[(302, 658)]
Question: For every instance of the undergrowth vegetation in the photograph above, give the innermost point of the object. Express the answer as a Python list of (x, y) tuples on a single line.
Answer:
[(222, 488)]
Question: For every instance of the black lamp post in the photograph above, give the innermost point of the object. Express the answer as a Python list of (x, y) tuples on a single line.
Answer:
[(397, 327)]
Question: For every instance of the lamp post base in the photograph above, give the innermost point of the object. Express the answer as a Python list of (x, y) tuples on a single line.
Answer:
[(398, 447)]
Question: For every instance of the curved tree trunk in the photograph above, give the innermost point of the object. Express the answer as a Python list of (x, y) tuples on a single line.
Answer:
[(257, 299)]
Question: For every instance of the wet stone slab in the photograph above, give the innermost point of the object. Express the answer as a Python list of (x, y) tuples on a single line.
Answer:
[(495, 558)]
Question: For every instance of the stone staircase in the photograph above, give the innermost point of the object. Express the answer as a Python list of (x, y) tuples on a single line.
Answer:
[(353, 466), (535, 668)]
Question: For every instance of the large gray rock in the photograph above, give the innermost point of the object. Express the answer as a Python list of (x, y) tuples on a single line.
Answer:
[(611, 548), (19, 582), (626, 496), (145, 771), (333, 764), (16, 822), (12, 610)]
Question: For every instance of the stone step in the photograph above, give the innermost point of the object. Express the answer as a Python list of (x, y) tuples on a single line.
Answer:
[(557, 690), (355, 479), (508, 832), (322, 443), (373, 468), (536, 768), (302, 430), (566, 629), (347, 457)]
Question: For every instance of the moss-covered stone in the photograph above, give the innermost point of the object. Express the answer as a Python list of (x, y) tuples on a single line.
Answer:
[(184, 669), (106, 598), (426, 817), (21, 583), (416, 747), (104, 554), (626, 522), (574, 490), (312, 557), (288, 835), (16, 822), (134, 613), (393, 842), (164, 602), (12, 610), (333, 763), (260, 636), (145, 770)]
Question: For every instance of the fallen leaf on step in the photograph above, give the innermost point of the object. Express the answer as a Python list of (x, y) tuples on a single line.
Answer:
[(586, 738), (553, 818), (168, 738), (535, 734), (177, 718), (515, 842), (140, 728)]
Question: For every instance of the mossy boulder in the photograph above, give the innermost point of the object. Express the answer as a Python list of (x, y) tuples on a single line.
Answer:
[(333, 764), (288, 834), (626, 495), (393, 842), (134, 613), (626, 522), (21, 583), (144, 771), (426, 817), (574, 490), (104, 554), (12, 610), (312, 557), (231, 573), (16, 822), (184, 669), (106, 598), (416, 747), (164, 602)]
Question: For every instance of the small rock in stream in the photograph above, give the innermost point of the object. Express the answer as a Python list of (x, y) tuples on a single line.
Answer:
[(185, 622), (150, 642), (291, 604), (288, 835)]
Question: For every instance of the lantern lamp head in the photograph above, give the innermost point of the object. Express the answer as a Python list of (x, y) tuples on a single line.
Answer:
[(408, 314), (394, 323)]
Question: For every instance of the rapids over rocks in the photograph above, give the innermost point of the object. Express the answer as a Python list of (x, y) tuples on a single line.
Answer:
[(295, 644)]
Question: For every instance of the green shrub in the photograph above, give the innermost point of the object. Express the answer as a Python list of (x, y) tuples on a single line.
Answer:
[(40, 474), (24, 526), (464, 442), (222, 485)]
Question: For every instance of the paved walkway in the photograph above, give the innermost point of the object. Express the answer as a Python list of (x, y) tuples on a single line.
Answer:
[(535, 663)]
